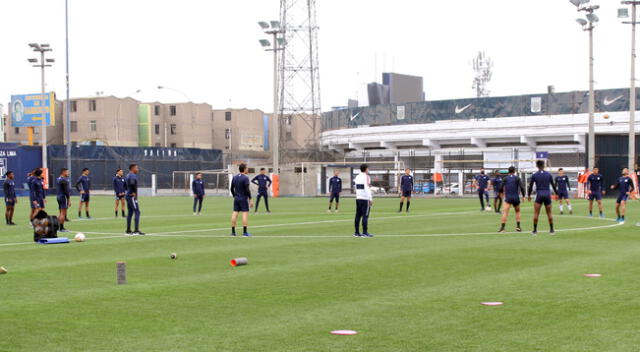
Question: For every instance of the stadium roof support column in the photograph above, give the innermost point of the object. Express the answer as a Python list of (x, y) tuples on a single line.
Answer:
[(529, 142), (478, 142)]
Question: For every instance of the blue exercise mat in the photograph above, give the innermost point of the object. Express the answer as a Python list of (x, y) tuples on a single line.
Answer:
[(53, 240)]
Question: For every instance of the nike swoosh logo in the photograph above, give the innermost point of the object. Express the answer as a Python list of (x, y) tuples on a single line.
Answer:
[(609, 102), (356, 115), (460, 110)]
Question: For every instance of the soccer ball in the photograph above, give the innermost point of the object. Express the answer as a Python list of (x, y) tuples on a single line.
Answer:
[(487, 208), (174, 256), (80, 237)]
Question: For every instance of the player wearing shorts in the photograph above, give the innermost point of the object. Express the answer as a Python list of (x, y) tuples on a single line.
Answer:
[(624, 185), (406, 188), (83, 185), (335, 187), (563, 186), (242, 202), (120, 190), (63, 196), (510, 189), (543, 181), (496, 184), (595, 186), (481, 181), (10, 198)]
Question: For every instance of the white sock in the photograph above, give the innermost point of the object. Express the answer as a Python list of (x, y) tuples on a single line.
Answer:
[(569, 206), (561, 207)]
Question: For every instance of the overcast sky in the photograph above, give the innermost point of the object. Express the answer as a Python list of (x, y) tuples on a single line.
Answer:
[(209, 49)]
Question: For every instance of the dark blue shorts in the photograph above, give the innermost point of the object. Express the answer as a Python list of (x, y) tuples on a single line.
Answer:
[(85, 197), (563, 195), (406, 193), (9, 202), (513, 201), (595, 196), (496, 194), (622, 198), (543, 199), (118, 197), (199, 196), (62, 202), (39, 203), (336, 196), (240, 205)]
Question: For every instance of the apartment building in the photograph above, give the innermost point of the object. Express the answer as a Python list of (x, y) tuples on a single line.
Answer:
[(243, 132), (104, 120), (182, 125)]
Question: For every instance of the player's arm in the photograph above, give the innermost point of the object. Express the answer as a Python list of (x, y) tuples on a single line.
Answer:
[(232, 189), (530, 190), (631, 186), (193, 186), (331, 185), (6, 187), (520, 186), (269, 182), (255, 181)]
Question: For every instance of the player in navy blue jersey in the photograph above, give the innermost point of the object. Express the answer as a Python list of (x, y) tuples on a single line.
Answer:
[(83, 185), (335, 187), (197, 187), (63, 196), (595, 190), (496, 184), (543, 182), (563, 186), (132, 200), (624, 185), (406, 188), (510, 189), (10, 198), (30, 178), (481, 181), (263, 182), (38, 194), (120, 190), (242, 202)]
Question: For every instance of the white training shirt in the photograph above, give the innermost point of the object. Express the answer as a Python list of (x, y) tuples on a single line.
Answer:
[(363, 190)]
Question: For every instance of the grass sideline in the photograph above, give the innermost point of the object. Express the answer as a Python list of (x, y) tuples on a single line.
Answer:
[(417, 286)]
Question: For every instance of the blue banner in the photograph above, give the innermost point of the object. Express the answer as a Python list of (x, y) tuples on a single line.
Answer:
[(26, 109)]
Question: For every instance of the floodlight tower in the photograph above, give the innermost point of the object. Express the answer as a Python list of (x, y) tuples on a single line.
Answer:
[(588, 25), (42, 63), (624, 13), (299, 70)]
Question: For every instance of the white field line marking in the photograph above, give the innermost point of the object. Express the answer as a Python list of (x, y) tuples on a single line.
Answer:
[(110, 235)]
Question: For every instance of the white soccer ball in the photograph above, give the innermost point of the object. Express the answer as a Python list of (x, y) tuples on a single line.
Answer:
[(80, 237), (487, 208)]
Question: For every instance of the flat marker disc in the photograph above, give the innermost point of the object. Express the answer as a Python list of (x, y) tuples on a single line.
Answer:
[(491, 303), (344, 332)]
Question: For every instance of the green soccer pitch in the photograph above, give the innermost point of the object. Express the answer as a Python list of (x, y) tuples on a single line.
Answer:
[(416, 286)]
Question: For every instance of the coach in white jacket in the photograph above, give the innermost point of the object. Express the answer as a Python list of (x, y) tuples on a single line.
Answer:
[(364, 201)]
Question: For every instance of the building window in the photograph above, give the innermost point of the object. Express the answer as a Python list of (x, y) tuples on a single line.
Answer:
[(227, 116), (227, 133), (93, 105), (158, 145), (74, 106), (156, 110), (172, 110), (93, 125), (16, 130), (174, 128), (288, 119), (289, 136), (173, 145), (157, 128), (36, 130), (74, 126)]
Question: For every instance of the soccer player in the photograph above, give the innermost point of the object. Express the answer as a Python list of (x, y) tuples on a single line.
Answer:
[(562, 183), (30, 177), (197, 187), (83, 185), (625, 187), (263, 182), (364, 201), (37, 195), (543, 180), (120, 190), (132, 200), (482, 182), (496, 184), (335, 187), (63, 196), (406, 188), (510, 189), (595, 183), (10, 199), (241, 192)]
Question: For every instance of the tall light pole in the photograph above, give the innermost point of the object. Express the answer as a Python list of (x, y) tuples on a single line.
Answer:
[(67, 125), (588, 25), (274, 29), (42, 63), (624, 13)]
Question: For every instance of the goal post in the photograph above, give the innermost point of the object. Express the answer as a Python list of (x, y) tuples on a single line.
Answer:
[(215, 181)]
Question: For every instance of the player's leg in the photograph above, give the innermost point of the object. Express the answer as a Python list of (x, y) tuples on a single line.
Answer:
[(130, 211), (591, 204), (505, 214), (486, 197), (408, 203), (560, 206), (137, 217), (623, 209), (518, 217), (200, 201), (549, 207), (245, 223), (195, 203), (481, 196), (566, 200), (7, 212), (80, 205), (86, 205), (234, 220), (618, 210), (401, 203), (358, 217), (365, 220), (115, 208), (330, 202), (266, 201), (258, 201), (600, 208), (337, 201), (536, 215)]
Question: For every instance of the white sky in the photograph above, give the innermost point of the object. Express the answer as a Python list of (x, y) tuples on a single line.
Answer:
[(209, 49)]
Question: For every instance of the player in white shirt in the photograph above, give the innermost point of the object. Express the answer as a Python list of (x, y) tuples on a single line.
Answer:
[(364, 201)]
